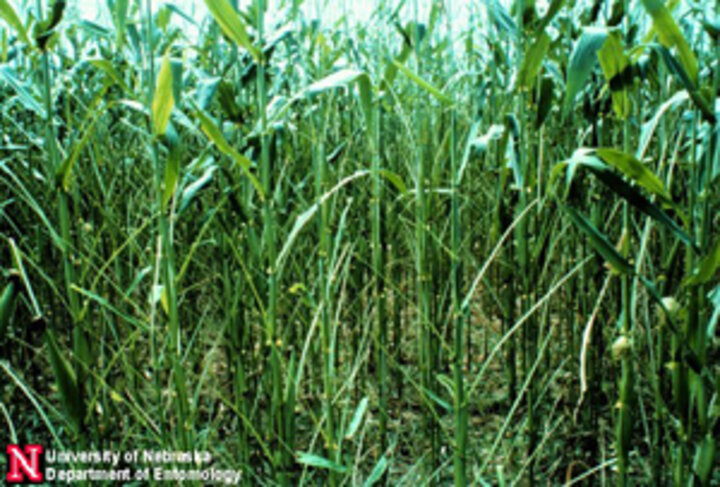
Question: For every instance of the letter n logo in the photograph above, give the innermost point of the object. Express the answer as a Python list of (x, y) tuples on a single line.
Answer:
[(24, 464)]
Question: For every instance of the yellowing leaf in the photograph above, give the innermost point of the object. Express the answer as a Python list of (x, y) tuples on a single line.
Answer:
[(163, 101), (164, 301)]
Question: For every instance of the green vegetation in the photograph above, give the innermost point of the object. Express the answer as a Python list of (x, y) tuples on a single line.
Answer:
[(411, 251)]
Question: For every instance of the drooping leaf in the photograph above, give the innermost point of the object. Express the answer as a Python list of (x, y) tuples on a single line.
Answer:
[(191, 190), (317, 461), (213, 132), (648, 128), (9, 15), (432, 90), (163, 101), (582, 60), (677, 69), (407, 48), (343, 78), (306, 216), (232, 25), (335, 80), (670, 35), (632, 196), (599, 242), (394, 179), (635, 170)]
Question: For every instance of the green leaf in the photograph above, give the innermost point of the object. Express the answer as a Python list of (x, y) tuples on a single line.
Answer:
[(8, 14), (705, 454), (190, 191), (179, 12), (7, 303), (96, 30), (500, 17), (377, 472), (407, 48), (435, 92), (635, 170), (163, 101), (616, 67), (670, 35), (335, 80), (109, 69), (119, 17), (599, 242), (308, 214), (714, 298), (172, 165), (648, 128), (176, 66), (317, 461), (28, 100), (438, 400), (342, 78), (533, 60), (394, 179), (545, 101), (64, 171), (632, 196), (582, 60), (232, 25), (66, 382), (677, 69), (706, 268), (357, 418), (214, 133)]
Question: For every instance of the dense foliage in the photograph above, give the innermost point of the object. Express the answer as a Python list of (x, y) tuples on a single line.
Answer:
[(407, 251)]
